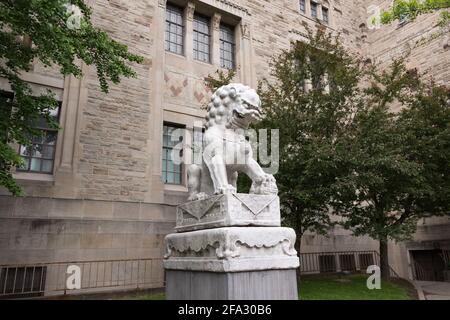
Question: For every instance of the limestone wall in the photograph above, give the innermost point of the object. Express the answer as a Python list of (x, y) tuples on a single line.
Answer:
[(397, 39)]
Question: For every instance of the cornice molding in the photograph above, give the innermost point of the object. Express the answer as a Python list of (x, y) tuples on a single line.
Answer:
[(228, 6)]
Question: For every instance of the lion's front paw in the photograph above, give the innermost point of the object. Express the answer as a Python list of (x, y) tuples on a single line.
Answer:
[(229, 189), (267, 185), (198, 196)]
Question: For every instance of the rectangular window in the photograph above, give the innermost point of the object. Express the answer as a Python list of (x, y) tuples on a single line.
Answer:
[(174, 29), (40, 155), (201, 38), (325, 15), (302, 6), (172, 153), (227, 46), (22, 281), (314, 9)]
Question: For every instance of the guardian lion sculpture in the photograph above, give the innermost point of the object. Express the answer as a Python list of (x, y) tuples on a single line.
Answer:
[(226, 152)]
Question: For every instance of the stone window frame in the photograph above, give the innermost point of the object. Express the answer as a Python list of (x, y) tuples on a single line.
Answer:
[(42, 143), (321, 5), (42, 127), (62, 88), (309, 84), (233, 15)]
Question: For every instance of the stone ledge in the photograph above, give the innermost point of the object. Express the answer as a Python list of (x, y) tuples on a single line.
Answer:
[(238, 265)]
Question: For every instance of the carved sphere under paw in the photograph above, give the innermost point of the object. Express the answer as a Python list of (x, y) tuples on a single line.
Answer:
[(265, 186)]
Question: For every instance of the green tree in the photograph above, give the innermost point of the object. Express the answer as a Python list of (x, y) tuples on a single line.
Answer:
[(55, 41), (310, 99), (219, 79), (394, 166)]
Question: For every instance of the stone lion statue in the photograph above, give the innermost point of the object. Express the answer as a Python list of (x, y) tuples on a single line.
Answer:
[(226, 152)]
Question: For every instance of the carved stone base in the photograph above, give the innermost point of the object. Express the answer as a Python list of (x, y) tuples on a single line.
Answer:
[(231, 210), (232, 250), (231, 247), (255, 285)]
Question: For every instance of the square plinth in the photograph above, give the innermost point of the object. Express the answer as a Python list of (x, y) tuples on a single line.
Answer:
[(255, 285), (231, 210), (235, 249)]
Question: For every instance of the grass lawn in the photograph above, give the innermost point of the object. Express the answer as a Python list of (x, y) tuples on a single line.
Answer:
[(352, 287), (330, 287), (158, 296)]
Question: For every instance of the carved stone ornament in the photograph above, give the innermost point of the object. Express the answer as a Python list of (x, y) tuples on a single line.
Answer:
[(218, 229), (232, 250), (245, 30), (216, 21), (226, 151), (228, 211), (190, 9)]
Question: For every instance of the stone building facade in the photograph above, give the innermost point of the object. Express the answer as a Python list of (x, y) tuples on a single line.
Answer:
[(110, 193)]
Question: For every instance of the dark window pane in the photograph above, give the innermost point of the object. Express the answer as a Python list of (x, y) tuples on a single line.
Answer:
[(303, 6), (47, 166), (39, 156), (174, 29), (26, 164), (47, 152), (172, 139), (201, 38), (227, 45), (35, 164), (314, 8), (325, 16)]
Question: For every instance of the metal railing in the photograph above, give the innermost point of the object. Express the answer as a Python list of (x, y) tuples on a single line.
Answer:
[(95, 276), (333, 262), (419, 273), (109, 275)]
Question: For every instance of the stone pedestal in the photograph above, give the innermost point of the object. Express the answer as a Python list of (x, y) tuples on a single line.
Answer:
[(231, 247), (256, 285)]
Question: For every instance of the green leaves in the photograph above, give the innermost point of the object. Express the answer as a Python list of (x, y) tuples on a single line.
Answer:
[(221, 78), (411, 9), (370, 145), (55, 41), (310, 99), (395, 169)]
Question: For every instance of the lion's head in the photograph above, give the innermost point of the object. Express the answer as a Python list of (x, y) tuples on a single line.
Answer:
[(235, 106)]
